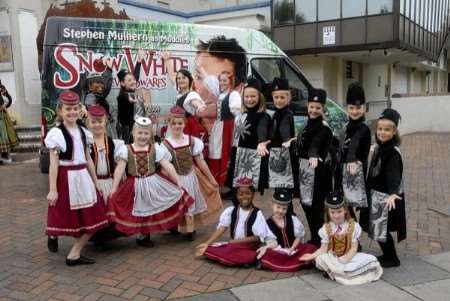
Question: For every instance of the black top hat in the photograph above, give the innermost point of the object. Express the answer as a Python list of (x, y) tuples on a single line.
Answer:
[(280, 84), (317, 95), (282, 196), (391, 115), (355, 95), (253, 82), (334, 200)]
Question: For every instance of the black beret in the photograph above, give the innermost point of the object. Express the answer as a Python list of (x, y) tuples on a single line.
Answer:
[(355, 95), (280, 84), (317, 95), (391, 115), (282, 196)]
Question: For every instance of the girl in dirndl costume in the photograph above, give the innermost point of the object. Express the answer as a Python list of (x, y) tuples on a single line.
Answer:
[(105, 151), (247, 229), (249, 156), (186, 152), (386, 210), (289, 232), (8, 136), (221, 136), (148, 201), (338, 254), (76, 207)]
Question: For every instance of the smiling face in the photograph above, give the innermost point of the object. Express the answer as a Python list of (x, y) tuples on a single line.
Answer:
[(356, 112), (182, 82), (97, 125), (281, 98), (251, 97), (129, 82), (315, 110), (337, 216), (279, 210), (69, 113), (245, 197), (386, 130), (96, 86), (142, 136), (177, 125), (224, 82)]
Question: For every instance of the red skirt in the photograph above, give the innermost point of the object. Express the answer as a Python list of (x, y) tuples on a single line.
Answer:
[(232, 254), (120, 208), (280, 262), (219, 167), (63, 221)]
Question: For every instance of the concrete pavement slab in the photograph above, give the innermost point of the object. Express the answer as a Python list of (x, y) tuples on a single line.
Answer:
[(375, 291), (319, 282), (292, 289), (412, 271), (440, 260), (431, 291), (217, 296)]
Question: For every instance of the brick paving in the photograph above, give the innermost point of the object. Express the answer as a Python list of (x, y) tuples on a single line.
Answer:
[(170, 270)]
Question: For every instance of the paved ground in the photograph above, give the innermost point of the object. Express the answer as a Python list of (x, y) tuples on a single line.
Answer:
[(29, 272)]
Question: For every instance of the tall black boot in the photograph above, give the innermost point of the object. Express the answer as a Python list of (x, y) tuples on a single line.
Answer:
[(389, 258)]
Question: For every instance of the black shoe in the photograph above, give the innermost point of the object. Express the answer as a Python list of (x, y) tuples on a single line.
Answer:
[(191, 236), (388, 262), (174, 231), (52, 244), (82, 260), (258, 265), (145, 242)]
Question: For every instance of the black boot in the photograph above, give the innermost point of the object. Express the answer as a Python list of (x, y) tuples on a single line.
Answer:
[(191, 236), (145, 241), (52, 244), (389, 258)]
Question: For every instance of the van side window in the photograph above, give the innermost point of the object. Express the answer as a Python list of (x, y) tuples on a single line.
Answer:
[(265, 69)]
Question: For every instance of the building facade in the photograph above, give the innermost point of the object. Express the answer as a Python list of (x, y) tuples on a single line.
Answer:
[(393, 47)]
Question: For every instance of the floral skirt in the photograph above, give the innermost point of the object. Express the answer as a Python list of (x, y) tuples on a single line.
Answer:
[(8, 136)]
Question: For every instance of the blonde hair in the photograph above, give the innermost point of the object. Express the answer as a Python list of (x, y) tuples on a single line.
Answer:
[(152, 138), (261, 101)]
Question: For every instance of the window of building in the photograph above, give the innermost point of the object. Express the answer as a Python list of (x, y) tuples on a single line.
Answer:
[(283, 11), (353, 8), (305, 11), (375, 7), (329, 9)]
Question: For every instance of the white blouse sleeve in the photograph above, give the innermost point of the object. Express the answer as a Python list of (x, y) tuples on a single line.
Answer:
[(162, 152), (198, 146), (299, 230), (89, 136), (55, 140), (187, 104), (323, 235), (235, 103), (225, 218), (120, 150), (356, 233), (212, 84), (260, 228)]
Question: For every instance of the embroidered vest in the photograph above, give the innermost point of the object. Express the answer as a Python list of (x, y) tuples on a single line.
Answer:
[(248, 223), (340, 244), (181, 157), (285, 236), (141, 164), (109, 151), (68, 154)]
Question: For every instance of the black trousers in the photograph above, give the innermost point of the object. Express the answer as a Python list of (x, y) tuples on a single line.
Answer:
[(315, 218), (388, 248)]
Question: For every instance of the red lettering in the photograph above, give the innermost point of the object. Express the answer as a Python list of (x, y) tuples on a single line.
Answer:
[(147, 62), (129, 58), (74, 77)]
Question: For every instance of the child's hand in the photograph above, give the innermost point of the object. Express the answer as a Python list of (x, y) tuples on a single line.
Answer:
[(214, 183), (199, 106), (261, 149), (390, 201), (313, 162), (52, 196), (343, 259), (200, 249), (261, 251), (353, 167), (287, 144), (306, 257), (113, 190)]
